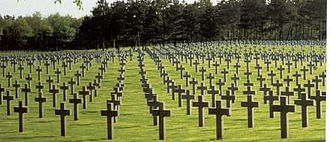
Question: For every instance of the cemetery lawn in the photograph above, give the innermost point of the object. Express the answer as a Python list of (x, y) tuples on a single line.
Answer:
[(136, 124)]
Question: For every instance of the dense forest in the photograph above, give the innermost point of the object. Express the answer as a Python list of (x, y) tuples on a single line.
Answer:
[(145, 22)]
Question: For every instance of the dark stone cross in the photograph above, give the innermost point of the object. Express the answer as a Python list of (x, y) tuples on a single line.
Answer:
[(323, 76), (202, 88), (210, 77), (297, 76), (219, 112), (47, 66), (288, 80), (62, 112), (72, 83), (287, 93), (65, 66), (64, 88), (224, 72), (26, 90), (39, 86), (318, 100), (168, 81), (196, 65), (310, 65), (181, 71), (54, 91), (8, 98), (161, 113), (84, 93), (193, 82), (248, 74), (304, 102), (237, 66), (200, 104), (265, 89), (78, 77), (258, 67), (203, 70), (16, 85), (220, 84), (250, 104), (40, 99), (272, 75), (3, 66), (229, 98), (213, 92), (91, 87), (49, 81), (9, 76), (304, 70), (216, 65), (82, 67), (58, 73), (309, 87), (174, 88), (29, 79), (249, 90), (188, 97), (153, 104), (316, 80), (180, 91), (20, 68), (110, 114), (75, 101), (187, 76), (281, 71), (278, 87), (235, 78), (20, 110), (39, 72), (299, 90), (284, 109)]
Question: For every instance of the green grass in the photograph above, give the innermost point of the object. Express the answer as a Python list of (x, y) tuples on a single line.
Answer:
[(135, 122)]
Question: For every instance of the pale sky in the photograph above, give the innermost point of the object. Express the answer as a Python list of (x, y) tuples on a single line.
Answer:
[(47, 7)]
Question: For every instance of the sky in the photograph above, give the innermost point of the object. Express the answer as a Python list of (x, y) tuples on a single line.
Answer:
[(47, 7)]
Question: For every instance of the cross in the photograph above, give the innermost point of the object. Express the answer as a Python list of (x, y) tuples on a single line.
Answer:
[(78, 77), (39, 86), (220, 84), (249, 91), (304, 102), (203, 70), (187, 76), (2, 89), (219, 112), (224, 72), (272, 74), (202, 88), (75, 101), (323, 76), (316, 80), (216, 65), (9, 76), (40, 99), (168, 81), (29, 79), (318, 100), (235, 78), (82, 67), (196, 65), (39, 72), (58, 72), (284, 109), (288, 80), (8, 98), (248, 73), (309, 86), (278, 85), (161, 113), (47, 66), (237, 66), (304, 70), (20, 110), (181, 71), (258, 67), (62, 112), (173, 87), (20, 68), (72, 83), (154, 104), (91, 88), (16, 85), (110, 114), (250, 104), (64, 87), (180, 91), (84, 93), (210, 77), (26, 90), (310, 65), (188, 97), (213, 92), (200, 104), (299, 90), (193, 82), (49, 81), (297, 76), (3, 66), (229, 98), (64, 65), (233, 88), (287, 93), (265, 89), (54, 91), (281, 71)]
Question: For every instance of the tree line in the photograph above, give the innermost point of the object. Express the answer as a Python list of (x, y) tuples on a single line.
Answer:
[(145, 22)]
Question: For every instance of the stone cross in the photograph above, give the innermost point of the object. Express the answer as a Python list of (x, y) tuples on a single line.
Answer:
[(220, 84), (272, 75), (58, 73), (49, 81), (278, 87), (187, 76), (193, 82), (180, 91), (72, 83), (78, 77), (2, 89), (84, 93), (62, 112), (216, 65), (29, 79), (284, 109), (40, 99), (316, 80), (210, 77), (250, 104), (8, 98), (297, 76), (110, 114), (200, 104), (323, 76), (224, 72), (9, 76), (64, 88), (265, 89), (54, 91), (39, 72), (202, 88), (47, 66), (20, 68), (229, 98), (154, 104), (26, 90), (304, 102), (309, 87), (188, 97), (318, 100), (203, 70), (16, 85), (39, 86), (304, 70), (20, 110), (75, 101), (287, 93), (213, 92), (219, 112), (161, 113)]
